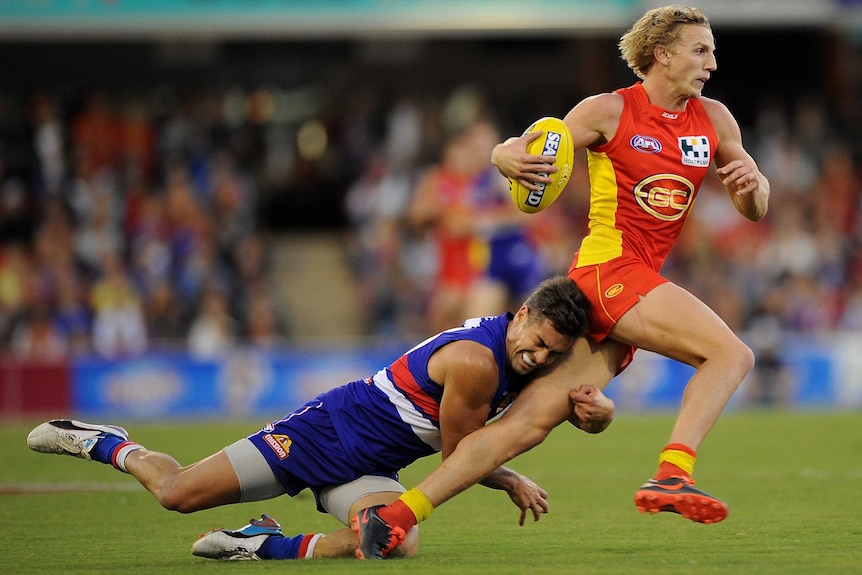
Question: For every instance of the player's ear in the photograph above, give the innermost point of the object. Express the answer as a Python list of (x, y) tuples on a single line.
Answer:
[(662, 54), (522, 314)]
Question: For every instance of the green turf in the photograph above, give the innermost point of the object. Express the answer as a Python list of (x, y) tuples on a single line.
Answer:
[(793, 482)]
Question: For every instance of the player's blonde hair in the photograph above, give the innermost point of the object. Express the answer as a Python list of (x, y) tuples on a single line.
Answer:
[(659, 26)]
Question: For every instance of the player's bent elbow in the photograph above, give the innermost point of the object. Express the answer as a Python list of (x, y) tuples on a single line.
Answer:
[(411, 543)]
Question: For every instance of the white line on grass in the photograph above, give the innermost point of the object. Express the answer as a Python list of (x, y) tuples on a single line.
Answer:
[(16, 488)]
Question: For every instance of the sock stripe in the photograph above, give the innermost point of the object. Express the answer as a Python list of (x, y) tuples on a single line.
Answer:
[(681, 459), (309, 542), (118, 457)]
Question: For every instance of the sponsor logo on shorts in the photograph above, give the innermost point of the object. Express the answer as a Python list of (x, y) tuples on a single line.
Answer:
[(646, 144), (280, 444), (614, 290)]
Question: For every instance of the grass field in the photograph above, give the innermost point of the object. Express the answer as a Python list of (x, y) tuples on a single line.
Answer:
[(793, 482)]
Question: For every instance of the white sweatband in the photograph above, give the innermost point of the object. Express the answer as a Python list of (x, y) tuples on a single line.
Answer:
[(123, 452), (309, 551)]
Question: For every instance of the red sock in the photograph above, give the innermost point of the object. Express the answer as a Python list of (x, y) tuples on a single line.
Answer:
[(666, 470), (398, 514)]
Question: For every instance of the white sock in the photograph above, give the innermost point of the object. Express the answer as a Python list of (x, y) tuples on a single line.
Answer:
[(122, 452), (309, 551)]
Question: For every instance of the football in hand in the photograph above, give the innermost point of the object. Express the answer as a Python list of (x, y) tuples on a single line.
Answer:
[(556, 140)]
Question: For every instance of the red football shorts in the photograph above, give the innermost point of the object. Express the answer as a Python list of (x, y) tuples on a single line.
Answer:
[(613, 288)]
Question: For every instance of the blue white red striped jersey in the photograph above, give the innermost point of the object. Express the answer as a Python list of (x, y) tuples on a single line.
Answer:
[(381, 424), (417, 397)]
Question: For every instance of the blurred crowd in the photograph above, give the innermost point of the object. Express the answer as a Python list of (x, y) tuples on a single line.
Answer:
[(133, 222), (123, 231), (798, 271)]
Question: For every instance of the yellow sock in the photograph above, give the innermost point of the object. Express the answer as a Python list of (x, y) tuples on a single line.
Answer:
[(418, 503), (683, 458)]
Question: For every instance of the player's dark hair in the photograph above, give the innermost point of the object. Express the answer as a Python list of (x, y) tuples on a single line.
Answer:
[(559, 300)]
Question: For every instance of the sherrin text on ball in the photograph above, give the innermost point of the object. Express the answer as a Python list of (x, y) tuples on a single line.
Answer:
[(556, 140)]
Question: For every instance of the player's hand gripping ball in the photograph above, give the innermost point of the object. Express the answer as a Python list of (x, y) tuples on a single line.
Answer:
[(556, 140)]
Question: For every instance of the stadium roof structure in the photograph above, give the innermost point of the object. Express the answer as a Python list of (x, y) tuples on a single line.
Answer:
[(340, 19)]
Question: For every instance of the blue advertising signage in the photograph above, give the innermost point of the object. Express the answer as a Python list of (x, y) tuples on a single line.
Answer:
[(269, 384), (243, 382)]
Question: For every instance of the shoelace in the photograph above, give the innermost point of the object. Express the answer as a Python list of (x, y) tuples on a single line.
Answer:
[(73, 444)]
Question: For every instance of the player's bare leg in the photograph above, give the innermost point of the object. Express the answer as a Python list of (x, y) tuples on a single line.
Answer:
[(674, 323), (205, 484), (208, 483)]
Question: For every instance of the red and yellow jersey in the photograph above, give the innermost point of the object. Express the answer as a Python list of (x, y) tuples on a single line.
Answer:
[(644, 181)]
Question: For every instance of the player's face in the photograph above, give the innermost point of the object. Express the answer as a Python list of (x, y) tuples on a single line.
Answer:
[(533, 344), (692, 60)]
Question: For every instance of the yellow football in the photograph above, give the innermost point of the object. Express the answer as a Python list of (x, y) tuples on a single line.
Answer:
[(556, 140)]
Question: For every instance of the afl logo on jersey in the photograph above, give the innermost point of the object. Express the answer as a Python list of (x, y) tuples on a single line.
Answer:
[(646, 144), (665, 196)]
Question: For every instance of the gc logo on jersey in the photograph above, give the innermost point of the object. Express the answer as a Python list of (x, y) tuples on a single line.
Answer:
[(695, 151), (665, 196)]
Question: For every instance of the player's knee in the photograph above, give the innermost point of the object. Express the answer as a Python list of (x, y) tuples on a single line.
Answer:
[(743, 357), (747, 358), (735, 358), (177, 499), (171, 501), (733, 354)]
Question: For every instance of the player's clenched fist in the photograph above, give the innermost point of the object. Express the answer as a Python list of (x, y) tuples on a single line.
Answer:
[(592, 410)]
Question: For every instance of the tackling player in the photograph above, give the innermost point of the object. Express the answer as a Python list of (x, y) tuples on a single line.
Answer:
[(348, 444)]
